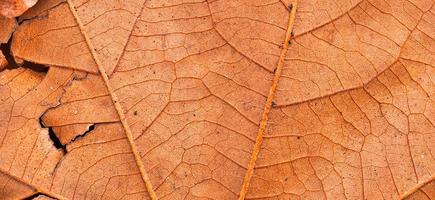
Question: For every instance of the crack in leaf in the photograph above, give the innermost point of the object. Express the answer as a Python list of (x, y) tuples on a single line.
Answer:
[(118, 107)]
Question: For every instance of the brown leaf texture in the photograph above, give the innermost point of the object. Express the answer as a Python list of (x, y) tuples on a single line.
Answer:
[(426, 192), (219, 99), (13, 189), (14, 8)]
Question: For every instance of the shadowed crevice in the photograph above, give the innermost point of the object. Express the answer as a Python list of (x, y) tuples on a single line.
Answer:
[(78, 137), (36, 195), (6, 50), (59, 145), (42, 14), (56, 140), (33, 196), (35, 67), (12, 63), (53, 137)]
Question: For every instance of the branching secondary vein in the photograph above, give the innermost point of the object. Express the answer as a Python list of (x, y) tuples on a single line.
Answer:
[(117, 105), (269, 102)]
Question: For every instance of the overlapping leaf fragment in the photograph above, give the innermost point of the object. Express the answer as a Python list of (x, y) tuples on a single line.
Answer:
[(6, 30), (86, 168), (14, 8), (12, 189), (426, 192), (7, 27), (108, 25), (191, 95)]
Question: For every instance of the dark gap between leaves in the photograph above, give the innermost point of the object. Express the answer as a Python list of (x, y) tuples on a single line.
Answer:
[(53, 137), (33, 196), (91, 128), (6, 50), (35, 67), (12, 64)]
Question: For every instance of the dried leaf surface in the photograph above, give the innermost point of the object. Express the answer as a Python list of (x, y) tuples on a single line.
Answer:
[(14, 8), (353, 116), (426, 192), (7, 27), (12, 189), (3, 61), (28, 153), (375, 141)]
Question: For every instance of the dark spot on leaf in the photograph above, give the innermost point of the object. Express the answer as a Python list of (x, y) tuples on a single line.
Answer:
[(290, 7)]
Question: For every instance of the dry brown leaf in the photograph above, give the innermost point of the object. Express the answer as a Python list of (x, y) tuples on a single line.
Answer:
[(424, 193), (12, 189), (3, 61), (14, 8), (176, 100), (7, 27)]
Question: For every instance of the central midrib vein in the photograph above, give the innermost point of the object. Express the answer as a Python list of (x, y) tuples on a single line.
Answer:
[(122, 118), (269, 102), (117, 105)]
